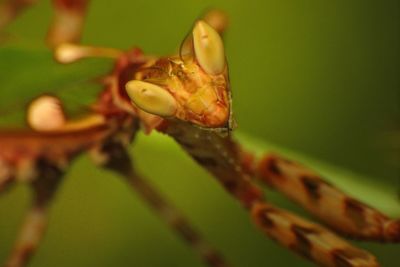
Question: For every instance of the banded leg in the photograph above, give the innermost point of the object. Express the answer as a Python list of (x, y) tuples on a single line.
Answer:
[(305, 238), (308, 239), (334, 207), (10, 9), (223, 158), (35, 222), (68, 21), (120, 162)]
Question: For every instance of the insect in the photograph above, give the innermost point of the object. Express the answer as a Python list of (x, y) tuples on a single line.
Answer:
[(188, 98)]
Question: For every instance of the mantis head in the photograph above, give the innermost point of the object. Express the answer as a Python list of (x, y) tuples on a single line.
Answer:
[(192, 87)]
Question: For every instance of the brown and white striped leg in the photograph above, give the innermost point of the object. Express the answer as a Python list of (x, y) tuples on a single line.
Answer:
[(35, 221), (120, 162), (10, 9), (67, 24), (222, 157), (305, 238), (334, 207), (308, 239)]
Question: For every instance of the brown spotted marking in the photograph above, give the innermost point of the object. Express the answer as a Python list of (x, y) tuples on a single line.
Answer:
[(266, 220), (356, 212), (263, 217), (272, 166), (303, 244), (268, 169), (325, 201), (312, 187), (308, 239)]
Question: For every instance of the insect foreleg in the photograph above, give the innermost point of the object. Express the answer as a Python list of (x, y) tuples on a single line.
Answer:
[(309, 239), (223, 158), (35, 222), (120, 162), (334, 207)]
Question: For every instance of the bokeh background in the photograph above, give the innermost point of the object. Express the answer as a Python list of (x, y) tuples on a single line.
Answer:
[(316, 77)]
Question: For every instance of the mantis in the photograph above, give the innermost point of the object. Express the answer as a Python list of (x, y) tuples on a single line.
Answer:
[(187, 97)]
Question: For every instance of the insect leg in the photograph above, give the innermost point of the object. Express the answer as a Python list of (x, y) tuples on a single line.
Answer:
[(10, 9), (224, 158), (35, 222), (309, 239), (305, 238), (67, 24), (120, 162), (334, 207)]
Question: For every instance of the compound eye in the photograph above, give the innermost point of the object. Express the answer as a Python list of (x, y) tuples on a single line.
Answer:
[(208, 48), (151, 98)]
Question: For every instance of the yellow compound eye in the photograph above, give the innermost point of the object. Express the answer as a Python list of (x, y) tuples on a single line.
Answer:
[(208, 47), (46, 114), (151, 98)]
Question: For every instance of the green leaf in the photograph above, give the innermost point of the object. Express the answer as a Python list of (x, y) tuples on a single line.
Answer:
[(30, 71)]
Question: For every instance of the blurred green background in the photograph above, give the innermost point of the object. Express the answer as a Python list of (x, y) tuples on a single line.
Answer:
[(316, 77)]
